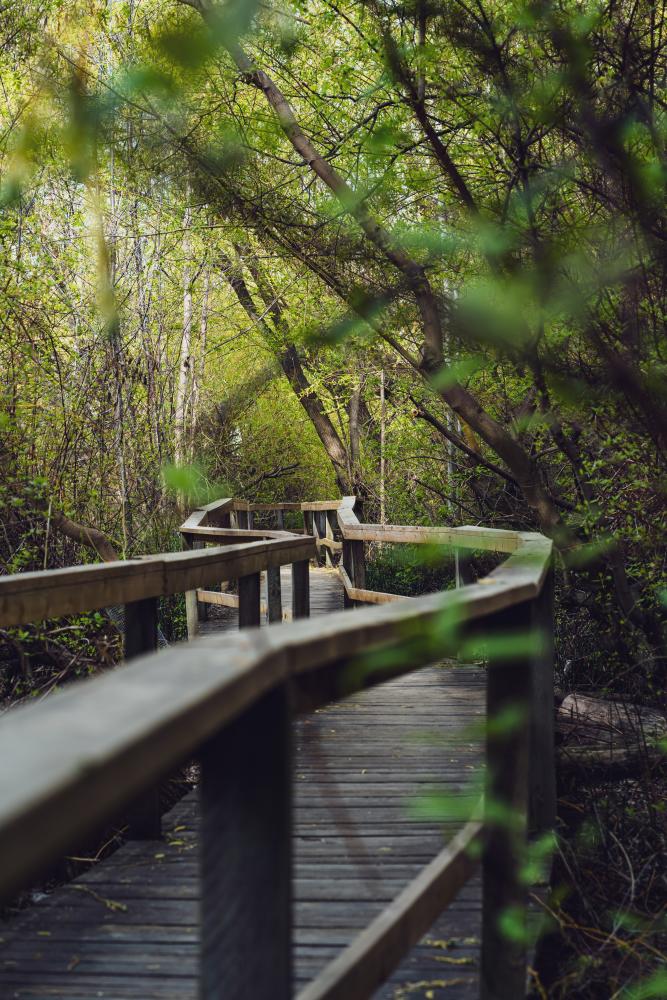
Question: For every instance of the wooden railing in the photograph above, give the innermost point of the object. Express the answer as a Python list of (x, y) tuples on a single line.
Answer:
[(81, 756)]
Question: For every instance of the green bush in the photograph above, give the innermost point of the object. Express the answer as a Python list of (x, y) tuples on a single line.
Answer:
[(409, 570)]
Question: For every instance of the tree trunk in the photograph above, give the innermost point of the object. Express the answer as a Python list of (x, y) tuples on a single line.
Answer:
[(184, 360), (290, 363)]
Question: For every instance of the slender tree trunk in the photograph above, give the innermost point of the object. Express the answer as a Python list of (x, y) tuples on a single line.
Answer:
[(185, 361), (383, 468), (199, 363), (118, 363), (354, 432), (290, 362)]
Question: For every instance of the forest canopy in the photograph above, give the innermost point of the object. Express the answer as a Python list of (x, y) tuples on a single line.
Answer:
[(410, 250), (256, 238)]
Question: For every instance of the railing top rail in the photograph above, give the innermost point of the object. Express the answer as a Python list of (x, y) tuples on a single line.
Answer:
[(231, 504), (242, 534), (50, 593), (28, 597), (468, 536)]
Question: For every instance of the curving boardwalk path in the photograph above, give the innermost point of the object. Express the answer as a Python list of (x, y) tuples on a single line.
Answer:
[(127, 930)]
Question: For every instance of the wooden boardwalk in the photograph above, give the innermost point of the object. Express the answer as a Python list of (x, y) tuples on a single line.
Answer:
[(129, 927)]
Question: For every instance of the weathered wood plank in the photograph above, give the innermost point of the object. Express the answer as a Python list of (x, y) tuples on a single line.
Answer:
[(321, 505), (267, 507), (236, 535), (369, 960), (367, 596), (51, 593), (221, 598), (465, 537)]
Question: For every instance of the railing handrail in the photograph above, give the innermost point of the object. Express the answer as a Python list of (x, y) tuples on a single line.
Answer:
[(463, 537), (33, 596), (27, 597), (74, 760)]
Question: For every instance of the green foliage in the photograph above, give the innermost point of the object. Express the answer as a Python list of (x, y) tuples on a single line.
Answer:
[(190, 484), (403, 569), (653, 987)]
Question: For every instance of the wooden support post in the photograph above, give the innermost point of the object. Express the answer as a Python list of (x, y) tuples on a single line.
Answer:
[(202, 607), (300, 589), (280, 520), (463, 568), (503, 963), (242, 517), (542, 776), (251, 519), (320, 520), (358, 566), (274, 594), (245, 856), (308, 522), (140, 627), (143, 815), (328, 531), (315, 532), (249, 615), (194, 611), (349, 569)]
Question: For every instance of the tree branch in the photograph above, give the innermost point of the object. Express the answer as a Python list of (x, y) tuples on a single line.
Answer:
[(458, 442)]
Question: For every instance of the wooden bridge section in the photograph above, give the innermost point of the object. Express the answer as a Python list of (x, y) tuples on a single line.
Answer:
[(320, 861)]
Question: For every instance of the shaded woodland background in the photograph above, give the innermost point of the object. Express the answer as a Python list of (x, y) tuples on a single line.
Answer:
[(409, 250)]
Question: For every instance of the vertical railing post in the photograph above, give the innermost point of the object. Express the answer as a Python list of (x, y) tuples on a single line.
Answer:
[(463, 568), (503, 963), (328, 532), (249, 606), (191, 603), (315, 531), (358, 565), (242, 518), (348, 566), (300, 589), (245, 856), (280, 519), (251, 519), (542, 774), (143, 816), (274, 594), (322, 525)]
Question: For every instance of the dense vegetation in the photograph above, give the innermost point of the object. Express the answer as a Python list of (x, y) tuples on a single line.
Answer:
[(411, 250)]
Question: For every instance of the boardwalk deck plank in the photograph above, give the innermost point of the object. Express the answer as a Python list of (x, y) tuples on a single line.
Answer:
[(127, 930)]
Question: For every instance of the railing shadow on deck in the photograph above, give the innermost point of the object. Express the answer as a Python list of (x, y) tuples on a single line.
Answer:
[(78, 758)]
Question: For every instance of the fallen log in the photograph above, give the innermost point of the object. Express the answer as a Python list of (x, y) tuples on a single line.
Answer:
[(611, 716), (599, 737)]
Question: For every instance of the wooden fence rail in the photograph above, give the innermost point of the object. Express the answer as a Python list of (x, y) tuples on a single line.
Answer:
[(73, 761)]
